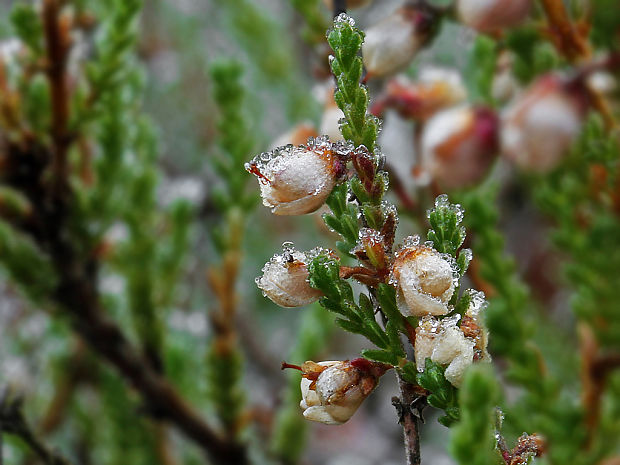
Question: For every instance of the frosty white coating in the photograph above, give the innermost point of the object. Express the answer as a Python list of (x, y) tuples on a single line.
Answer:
[(295, 180), (424, 280), (285, 278), (338, 392)]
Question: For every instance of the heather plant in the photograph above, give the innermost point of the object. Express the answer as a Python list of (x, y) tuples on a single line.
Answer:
[(434, 264)]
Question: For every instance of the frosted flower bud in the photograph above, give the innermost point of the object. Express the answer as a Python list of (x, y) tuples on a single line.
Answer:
[(333, 391), (473, 327), (459, 145), (297, 180), (424, 280), (490, 16), (435, 89), (444, 343), (541, 125), (391, 44), (285, 278)]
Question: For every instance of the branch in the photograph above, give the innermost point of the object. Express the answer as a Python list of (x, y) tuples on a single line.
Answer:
[(409, 417), (564, 34), (12, 421), (58, 43)]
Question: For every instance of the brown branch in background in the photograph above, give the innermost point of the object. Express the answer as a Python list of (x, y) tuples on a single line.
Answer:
[(64, 390), (12, 421), (595, 368), (57, 31), (223, 282), (566, 37)]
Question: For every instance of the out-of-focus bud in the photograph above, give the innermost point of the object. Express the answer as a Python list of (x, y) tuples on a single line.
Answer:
[(444, 343), (330, 121), (504, 85), (539, 127), (391, 44), (333, 391), (435, 89), (424, 279), (285, 278), (296, 136), (458, 146), (295, 180), (491, 16)]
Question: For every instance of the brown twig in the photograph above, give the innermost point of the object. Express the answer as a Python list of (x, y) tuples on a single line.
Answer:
[(409, 419), (12, 421), (58, 43), (340, 6), (565, 36), (595, 368), (64, 390)]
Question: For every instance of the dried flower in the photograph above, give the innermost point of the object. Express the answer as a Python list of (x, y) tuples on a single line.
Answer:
[(285, 277), (459, 145), (391, 44), (297, 180), (332, 391), (491, 16), (435, 89), (542, 124), (424, 279)]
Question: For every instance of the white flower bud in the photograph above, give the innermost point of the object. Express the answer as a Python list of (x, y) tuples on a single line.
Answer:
[(285, 278), (333, 391), (542, 124), (505, 84), (391, 44), (444, 343), (458, 146), (297, 180), (491, 16), (424, 280)]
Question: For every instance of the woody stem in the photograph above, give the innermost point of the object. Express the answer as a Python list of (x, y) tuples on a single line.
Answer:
[(410, 423)]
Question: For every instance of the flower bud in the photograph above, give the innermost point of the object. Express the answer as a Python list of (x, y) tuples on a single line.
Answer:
[(424, 280), (458, 146), (542, 124), (491, 16), (333, 391), (505, 84), (297, 180), (391, 44), (444, 343), (285, 278), (434, 90)]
